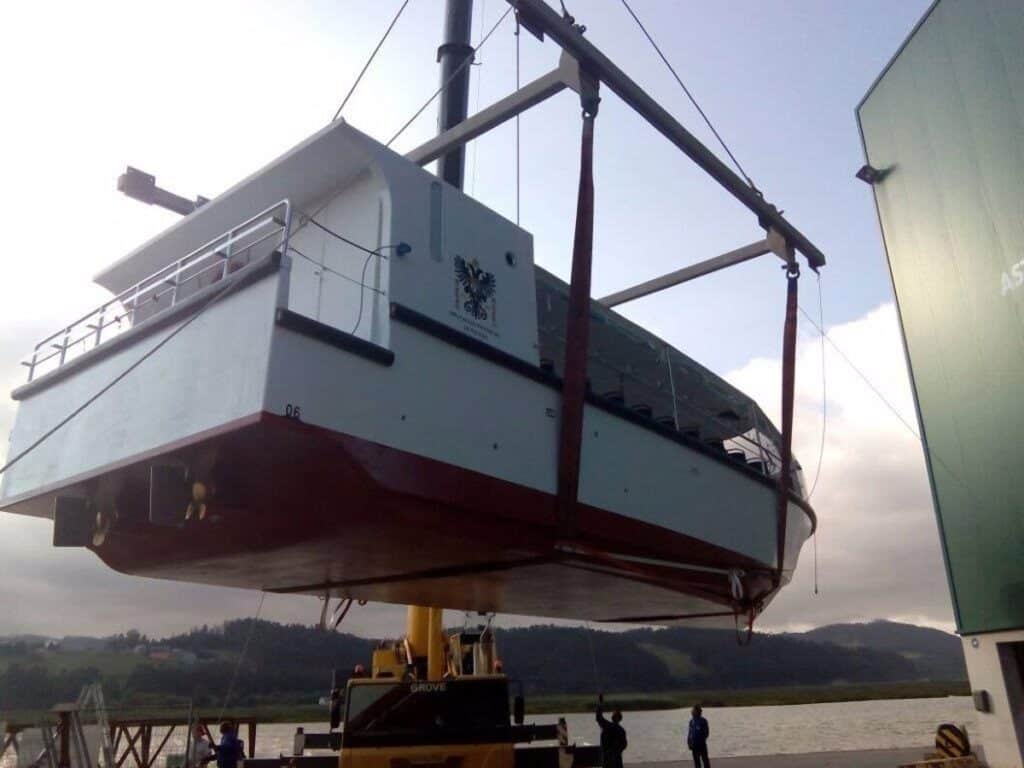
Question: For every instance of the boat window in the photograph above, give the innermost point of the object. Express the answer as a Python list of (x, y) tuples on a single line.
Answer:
[(633, 369)]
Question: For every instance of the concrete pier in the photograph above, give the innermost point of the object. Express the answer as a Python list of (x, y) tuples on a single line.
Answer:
[(865, 758)]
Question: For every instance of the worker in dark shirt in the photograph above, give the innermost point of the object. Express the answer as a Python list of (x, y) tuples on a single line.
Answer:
[(697, 738), (613, 736), (230, 750)]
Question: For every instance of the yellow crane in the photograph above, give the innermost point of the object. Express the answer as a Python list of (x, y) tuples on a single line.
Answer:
[(430, 700)]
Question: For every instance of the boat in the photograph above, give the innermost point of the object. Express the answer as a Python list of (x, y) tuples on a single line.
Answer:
[(346, 377)]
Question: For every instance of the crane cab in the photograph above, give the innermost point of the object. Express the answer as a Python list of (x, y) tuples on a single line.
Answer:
[(452, 723)]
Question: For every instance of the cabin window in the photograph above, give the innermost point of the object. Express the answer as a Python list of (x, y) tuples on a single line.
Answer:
[(633, 371)]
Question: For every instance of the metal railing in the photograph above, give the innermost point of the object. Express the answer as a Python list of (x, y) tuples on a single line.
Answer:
[(653, 383), (206, 265)]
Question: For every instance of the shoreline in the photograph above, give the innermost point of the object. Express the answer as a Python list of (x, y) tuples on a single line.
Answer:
[(748, 697), (554, 704)]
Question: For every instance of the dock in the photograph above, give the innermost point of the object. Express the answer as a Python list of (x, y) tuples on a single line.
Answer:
[(856, 758)]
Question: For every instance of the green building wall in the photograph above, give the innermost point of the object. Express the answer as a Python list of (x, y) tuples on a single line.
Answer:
[(946, 119)]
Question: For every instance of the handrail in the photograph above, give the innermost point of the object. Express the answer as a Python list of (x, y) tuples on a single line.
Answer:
[(212, 257), (759, 441)]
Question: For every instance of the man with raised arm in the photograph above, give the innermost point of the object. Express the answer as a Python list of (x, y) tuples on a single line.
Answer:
[(613, 736)]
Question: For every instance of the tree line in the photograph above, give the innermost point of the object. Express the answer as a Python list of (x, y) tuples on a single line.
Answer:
[(292, 664)]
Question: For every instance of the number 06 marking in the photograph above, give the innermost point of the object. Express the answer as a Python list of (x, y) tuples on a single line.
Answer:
[(293, 412)]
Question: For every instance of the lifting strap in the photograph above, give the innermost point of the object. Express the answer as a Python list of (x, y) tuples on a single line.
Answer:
[(788, 388), (574, 384)]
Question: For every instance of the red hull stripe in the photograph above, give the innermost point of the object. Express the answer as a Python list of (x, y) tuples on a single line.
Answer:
[(300, 508)]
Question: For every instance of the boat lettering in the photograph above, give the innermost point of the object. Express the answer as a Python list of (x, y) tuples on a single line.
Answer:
[(1013, 278), (428, 687), (476, 330)]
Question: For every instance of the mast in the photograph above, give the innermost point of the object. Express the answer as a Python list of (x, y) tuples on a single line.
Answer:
[(454, 50)]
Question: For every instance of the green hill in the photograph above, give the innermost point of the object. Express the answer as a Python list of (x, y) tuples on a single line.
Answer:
[(287, 665), (936, 655)]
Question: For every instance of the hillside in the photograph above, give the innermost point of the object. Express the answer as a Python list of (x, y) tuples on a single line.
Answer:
[(291, 664), (937, 655)]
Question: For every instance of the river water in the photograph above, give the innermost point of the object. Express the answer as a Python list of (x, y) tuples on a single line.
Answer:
[(735, 731), (661, 734)]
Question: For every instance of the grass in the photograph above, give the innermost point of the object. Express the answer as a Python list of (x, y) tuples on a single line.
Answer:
[(107, 662), (680, 665), (536, 705)]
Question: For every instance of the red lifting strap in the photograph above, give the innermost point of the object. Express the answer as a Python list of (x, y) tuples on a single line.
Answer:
[(788, 387), (574, 384)]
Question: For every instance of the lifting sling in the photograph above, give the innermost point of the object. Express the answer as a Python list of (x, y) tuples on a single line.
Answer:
[(574, 384), (788, 387)]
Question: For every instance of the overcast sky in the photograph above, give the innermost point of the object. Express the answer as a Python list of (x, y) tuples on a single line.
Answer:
[(202, 93)]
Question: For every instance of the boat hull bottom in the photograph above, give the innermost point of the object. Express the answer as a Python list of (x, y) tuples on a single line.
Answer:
[(275, 504)]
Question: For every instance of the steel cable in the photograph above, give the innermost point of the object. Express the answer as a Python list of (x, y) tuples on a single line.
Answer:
[(517, 122), (824, 394), (369, 61), (446, 83), (110, 385), (892, 408), (241, 658), (476, 107), (690, 96)]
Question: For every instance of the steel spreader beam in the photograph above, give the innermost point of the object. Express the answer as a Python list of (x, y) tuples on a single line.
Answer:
[(540, 19), (565, 75), (706, 267)]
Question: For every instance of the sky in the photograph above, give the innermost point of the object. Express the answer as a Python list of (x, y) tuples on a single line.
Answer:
[(202, 93)]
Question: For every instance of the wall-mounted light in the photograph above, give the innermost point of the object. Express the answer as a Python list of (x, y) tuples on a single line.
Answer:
[(871, 175), (982, 701)]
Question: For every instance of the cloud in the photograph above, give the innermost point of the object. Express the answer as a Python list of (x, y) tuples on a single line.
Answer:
[(878, 545)]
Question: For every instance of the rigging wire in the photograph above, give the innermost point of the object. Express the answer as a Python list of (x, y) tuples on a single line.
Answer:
[(690, 96), (369, 61), (113, 382), (446, 83), (824, 423), (517, 121), (824, 393), (325, 268), (241, 658), (226, 290), (892, 408), (815, 542), (362, 293), (344, 239), (593, 657), (862, 375), (476, 108), (370, 253)]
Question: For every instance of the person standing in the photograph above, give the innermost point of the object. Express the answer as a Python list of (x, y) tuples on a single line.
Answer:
[(200, 752), (697, 738), (230, 750), (613, 736)]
